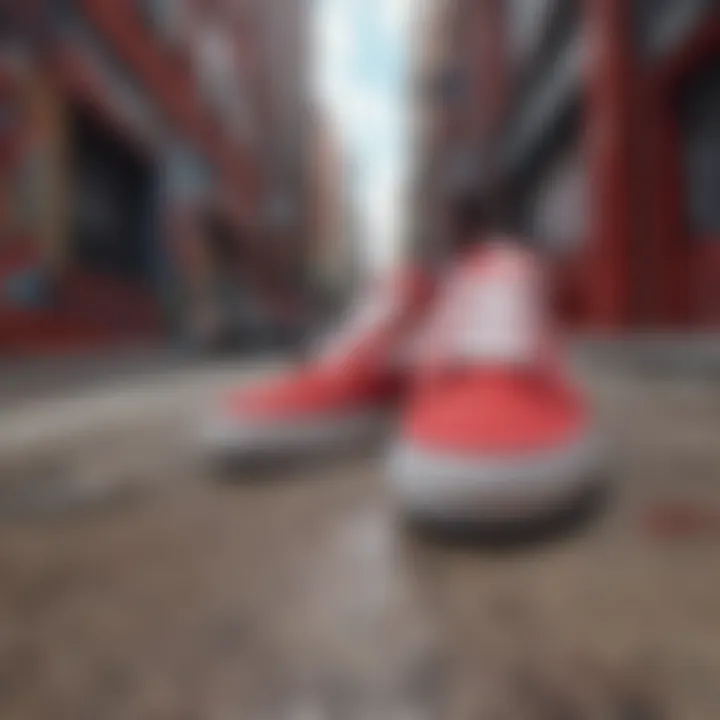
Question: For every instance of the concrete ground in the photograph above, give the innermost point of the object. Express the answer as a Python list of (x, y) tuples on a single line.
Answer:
[(137, 584)]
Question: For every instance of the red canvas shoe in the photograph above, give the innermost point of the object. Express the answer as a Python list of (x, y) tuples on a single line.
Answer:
[(494, 430), (342, 396)]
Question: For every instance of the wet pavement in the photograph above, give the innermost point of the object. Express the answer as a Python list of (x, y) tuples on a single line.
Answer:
[(174, 594)]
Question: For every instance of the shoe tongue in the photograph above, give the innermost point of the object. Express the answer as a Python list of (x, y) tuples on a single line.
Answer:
[(493, 314)]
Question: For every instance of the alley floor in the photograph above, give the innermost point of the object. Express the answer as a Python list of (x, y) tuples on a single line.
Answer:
[(137, 583)]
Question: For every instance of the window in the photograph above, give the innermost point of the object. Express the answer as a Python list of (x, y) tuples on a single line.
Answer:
[(699, 111), (661, 25), (186, 175), (529, 23), (112, 208), (168, 18), (128, 96), (554, 99), (29, 287), (558, 211), (215, 60), (220, 83)]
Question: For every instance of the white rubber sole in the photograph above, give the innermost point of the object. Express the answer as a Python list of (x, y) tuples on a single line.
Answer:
[(225, 437), (436, 487)]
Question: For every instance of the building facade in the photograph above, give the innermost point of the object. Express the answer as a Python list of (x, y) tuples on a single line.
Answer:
[(286, 140), (336, 265), (459, 88), (136, 170), (608, 153)]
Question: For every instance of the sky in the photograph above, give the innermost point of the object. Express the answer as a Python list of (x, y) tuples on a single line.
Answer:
[(360, 67)]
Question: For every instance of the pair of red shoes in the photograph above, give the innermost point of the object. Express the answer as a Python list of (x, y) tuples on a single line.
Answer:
[(491, 428)]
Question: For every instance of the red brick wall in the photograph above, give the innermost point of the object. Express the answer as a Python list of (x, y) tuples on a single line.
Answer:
[(167, 76)]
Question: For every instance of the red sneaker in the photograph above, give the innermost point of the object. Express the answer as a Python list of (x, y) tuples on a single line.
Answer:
[(494, 430), (342, 396)]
